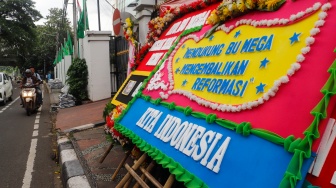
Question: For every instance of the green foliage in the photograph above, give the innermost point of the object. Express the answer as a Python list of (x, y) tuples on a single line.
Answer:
[(17, 19), (49, 38), (108, 109), (22, 42), (109, 138), (17, 34), (78, 80)]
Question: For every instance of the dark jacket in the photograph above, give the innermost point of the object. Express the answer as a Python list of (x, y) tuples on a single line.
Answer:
[(35, 80)]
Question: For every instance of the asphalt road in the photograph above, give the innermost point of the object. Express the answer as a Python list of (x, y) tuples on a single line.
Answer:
[(26, 146)]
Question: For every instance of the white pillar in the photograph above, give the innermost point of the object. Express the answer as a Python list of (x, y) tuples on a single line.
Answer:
[(81, 48), (62, 70), (58, 70), (55, 71), (67, 63), (97, 56)]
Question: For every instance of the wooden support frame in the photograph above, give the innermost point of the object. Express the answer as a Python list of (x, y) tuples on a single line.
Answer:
[(106, 153), (120, 165), (134, 167), (145, 174), (148, 169)]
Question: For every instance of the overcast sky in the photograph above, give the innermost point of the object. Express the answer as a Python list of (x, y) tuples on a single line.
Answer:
[(106, 12)]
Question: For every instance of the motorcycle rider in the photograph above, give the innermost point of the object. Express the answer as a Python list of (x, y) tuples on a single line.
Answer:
[(38, 77), (35, 73), (30, 78)]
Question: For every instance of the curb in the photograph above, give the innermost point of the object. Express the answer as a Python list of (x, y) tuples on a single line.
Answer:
[(72, 172), (84, 127)]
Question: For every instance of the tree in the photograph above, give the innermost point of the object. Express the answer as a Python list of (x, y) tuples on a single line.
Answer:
[(50, 36), (17, 32)]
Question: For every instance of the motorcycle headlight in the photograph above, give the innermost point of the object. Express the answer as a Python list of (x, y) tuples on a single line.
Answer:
[(27, 94), (30, 93)]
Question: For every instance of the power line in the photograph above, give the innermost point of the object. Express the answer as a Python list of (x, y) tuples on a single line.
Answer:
[(110, 4), (106, 11)]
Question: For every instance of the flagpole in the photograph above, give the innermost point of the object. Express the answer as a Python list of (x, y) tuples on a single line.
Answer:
[(98, 14), (85, 15), (75, 29)]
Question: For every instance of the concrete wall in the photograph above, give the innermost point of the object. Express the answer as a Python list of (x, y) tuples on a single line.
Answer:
[(143, 28), (97, 56), (80, 48)]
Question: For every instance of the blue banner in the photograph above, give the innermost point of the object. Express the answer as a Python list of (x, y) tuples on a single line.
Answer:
[(218, 156)]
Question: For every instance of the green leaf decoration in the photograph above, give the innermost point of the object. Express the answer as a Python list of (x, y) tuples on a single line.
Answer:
[(157, 101), (177, 171), (196, 183), (146, 98), (199, 115), (322, 107), (288, 141), (267, 135), (302, 149), (313, 128), (294, 145), (188, 110), (244, 129), (210, 118), (226, 124), (171, 106), (293, 172), (165, 162), (171, 165), (185, 177)]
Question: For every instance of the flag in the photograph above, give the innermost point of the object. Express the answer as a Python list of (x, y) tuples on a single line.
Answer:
[(63, 51), (83, 22), (59, 57), (69, 44), (66, 48), (79, 7)]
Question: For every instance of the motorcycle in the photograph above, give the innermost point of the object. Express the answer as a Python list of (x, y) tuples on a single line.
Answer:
[(29, 100)]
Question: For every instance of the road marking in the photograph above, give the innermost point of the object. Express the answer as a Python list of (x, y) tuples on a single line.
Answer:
[(32, 154), (30, 164), (7, 106), (35, 133)]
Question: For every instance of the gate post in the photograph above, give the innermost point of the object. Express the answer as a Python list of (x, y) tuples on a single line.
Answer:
[(97, 56)]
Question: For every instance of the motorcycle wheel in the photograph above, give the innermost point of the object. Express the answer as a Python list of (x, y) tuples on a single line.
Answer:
[(28, 109)]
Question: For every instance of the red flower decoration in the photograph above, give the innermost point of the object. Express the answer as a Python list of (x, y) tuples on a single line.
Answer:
[(109, 122), (116, 134)]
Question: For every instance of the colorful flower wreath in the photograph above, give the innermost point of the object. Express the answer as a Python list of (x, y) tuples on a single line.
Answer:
[(232, 8), (128, 31), (117, 136), (109, 127)]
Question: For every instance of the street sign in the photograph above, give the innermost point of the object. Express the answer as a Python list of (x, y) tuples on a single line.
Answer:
[(116, 22)]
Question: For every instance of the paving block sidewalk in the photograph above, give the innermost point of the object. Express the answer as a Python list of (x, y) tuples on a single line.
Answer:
[(90, 146), (82, 143)]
